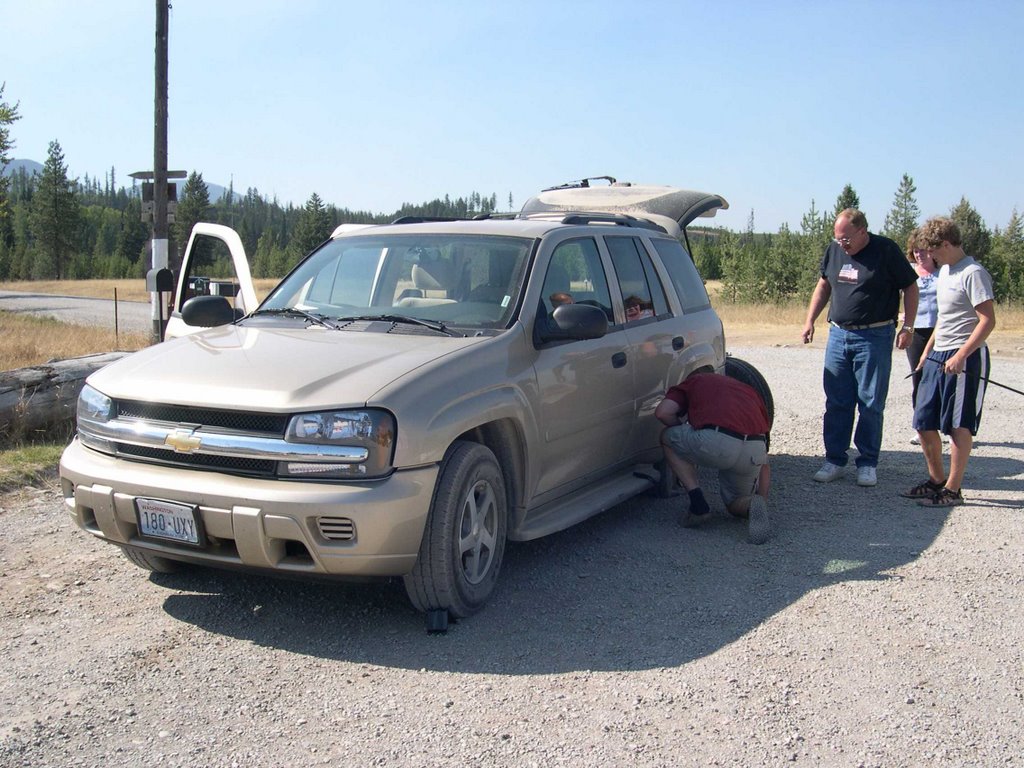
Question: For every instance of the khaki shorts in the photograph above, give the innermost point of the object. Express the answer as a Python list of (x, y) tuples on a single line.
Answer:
[(738, 461)]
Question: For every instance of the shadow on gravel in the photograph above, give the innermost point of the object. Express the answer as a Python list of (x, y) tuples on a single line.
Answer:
[(628, 590)]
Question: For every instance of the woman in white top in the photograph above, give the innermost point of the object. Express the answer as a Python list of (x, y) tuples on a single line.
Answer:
[(927, 305)]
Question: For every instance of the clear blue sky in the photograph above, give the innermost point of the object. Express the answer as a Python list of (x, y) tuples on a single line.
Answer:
[(372, 104)]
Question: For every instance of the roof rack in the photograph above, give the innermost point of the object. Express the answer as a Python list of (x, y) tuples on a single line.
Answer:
[(618, 219), (424, 219), (476, 217), (582, 183), (495, 215)]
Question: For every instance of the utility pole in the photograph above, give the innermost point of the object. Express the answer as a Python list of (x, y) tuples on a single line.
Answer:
[(160, 163)]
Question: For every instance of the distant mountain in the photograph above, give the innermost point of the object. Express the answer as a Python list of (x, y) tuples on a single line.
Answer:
[(30, 166), (216, 191)]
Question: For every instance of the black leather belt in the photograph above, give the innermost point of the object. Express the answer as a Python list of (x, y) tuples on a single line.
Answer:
[(862, 327), (737, 435)]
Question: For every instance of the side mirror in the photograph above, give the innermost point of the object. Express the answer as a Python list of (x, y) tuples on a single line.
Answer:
[(207, 311), (576, 322)]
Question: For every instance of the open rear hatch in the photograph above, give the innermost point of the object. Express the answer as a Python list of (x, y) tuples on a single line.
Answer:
[(670, 207)]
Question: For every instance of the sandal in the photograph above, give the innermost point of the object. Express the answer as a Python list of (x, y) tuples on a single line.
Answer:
[(944, 498), (924, 490)]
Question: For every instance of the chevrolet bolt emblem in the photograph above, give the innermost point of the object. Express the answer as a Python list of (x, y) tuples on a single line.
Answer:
[(182, 442)]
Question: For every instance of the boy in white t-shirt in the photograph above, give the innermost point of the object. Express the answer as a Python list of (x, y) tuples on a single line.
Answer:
[(954, 365)]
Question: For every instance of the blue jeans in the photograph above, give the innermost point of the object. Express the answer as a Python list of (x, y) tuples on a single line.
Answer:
[(857, 368)]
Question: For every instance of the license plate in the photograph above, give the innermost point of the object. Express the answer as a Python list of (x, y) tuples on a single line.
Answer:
[(170, 521)]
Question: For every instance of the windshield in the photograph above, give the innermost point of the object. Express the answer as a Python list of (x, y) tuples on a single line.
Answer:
[(470, 281)]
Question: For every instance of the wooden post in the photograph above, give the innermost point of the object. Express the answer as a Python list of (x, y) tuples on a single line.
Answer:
[(160, 247)]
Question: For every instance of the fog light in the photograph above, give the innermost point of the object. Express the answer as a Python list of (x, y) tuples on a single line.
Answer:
[(297, 468)]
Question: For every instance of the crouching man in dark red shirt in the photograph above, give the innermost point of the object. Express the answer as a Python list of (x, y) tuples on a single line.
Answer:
[(718, 422)]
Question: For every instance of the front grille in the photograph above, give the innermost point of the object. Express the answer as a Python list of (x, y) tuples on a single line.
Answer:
[(239, 421), (336, 528), (233, 464)]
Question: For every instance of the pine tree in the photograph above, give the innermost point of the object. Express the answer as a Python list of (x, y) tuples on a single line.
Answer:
[(193, 207), (1011, 244), (847, 199), (748, 233), (816, 234), (902, 219), (1005, 260), (8, 116), (312, 228), (133, 236), (975, 237), (55, 214), (814, 224)]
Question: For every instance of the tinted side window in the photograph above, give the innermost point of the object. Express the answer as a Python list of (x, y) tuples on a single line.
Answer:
[(642, 292), (575, 275), (684, 276)]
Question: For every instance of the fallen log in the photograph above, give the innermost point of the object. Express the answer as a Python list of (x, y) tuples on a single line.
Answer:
[(42, 399)]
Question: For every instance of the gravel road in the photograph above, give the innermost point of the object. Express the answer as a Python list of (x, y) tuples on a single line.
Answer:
[(130, 316), (867, 632)]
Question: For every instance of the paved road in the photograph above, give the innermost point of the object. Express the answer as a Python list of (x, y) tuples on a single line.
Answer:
[(131, 316)]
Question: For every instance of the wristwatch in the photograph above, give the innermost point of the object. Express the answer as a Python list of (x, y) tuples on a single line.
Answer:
[(907, 328)]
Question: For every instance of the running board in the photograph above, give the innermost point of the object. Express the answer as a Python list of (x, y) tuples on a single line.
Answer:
[(584, 503)]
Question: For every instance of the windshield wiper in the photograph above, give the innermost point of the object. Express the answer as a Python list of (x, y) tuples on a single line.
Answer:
[(296, 312), (431, 324)]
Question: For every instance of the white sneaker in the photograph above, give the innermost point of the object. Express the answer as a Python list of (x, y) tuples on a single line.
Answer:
[(829, 472), (867, 477), (915, 440)]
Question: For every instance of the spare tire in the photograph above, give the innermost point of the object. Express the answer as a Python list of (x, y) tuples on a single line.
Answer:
[(744, 372)]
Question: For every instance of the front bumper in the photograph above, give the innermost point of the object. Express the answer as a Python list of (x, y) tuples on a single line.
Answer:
[(287, 526)]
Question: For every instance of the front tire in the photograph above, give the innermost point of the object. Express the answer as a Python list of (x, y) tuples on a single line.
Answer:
[(464, 540), (150, 562)]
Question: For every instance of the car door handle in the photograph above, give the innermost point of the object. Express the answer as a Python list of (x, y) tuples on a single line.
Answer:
[(678, 343), (618, 359)]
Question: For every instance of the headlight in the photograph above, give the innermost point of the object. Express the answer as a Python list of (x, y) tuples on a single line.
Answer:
[(93, 405), (94, 408), (371, 430)]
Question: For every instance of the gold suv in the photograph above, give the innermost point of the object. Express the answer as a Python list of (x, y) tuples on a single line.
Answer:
[(408, 399)]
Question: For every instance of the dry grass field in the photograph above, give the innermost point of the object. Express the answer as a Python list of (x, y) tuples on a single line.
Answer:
[(769, 324), (26, 341), (127, 290)]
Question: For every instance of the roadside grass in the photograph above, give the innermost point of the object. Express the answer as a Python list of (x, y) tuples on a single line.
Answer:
[(127, 290), (30, 464), (27, 340)]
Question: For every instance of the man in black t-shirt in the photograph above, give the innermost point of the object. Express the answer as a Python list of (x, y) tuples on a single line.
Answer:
[(863, 275)]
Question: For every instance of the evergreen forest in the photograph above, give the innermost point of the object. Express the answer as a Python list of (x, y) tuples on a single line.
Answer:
[(56, 227)]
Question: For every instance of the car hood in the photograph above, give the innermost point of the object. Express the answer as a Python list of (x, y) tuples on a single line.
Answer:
[(272, 369)]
